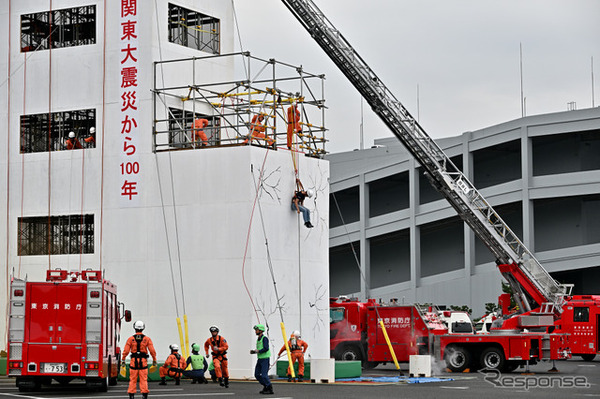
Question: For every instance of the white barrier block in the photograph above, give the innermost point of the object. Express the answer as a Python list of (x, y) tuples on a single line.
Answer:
[(420, 366), (322, 370)]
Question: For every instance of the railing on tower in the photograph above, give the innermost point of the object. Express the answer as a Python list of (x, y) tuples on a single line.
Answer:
[(243, 99)]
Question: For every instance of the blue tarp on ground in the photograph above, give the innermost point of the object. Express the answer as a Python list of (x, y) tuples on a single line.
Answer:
[(407, 380)]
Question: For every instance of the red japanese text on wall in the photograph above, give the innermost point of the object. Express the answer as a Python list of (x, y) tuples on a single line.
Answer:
[(129, 138)]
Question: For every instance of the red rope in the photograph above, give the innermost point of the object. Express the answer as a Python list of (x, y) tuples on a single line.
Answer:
[(248, 239), (5, 336), (102, 157)]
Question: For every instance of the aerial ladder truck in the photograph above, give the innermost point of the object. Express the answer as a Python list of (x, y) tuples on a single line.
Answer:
[(539, 297)]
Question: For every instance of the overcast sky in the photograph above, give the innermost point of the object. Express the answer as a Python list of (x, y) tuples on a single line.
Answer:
[(462, 54)]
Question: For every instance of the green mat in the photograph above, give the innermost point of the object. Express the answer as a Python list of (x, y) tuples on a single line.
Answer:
[(349, 369)]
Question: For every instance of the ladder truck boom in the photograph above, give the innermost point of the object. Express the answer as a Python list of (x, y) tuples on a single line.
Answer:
[(533, 287)]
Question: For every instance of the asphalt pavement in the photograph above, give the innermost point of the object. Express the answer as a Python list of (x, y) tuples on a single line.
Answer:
[(575, 379)]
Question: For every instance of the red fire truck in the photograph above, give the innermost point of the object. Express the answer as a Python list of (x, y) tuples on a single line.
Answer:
[(356, 335), (63, 329)]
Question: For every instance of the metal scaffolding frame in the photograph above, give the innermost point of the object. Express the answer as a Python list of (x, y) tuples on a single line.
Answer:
[(230, 105)]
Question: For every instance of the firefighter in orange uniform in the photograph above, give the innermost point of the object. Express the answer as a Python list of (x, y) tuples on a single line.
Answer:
[(140, 346), (218, 345), (199, 125), (293, 123), (173, 367), (72, 142), (297, 349), (257, 130)]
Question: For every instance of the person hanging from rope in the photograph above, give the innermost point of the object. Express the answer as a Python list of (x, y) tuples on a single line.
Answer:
[(199, 366), (72, 142), (261, 371), (257, 131), (218, 346), (298, 202), (197, 128), (173, 366), (140, 346), (298, 348), (293, 123)]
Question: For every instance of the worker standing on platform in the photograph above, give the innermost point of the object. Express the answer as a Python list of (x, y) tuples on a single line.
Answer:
[(199, 366), (298, 202), (72, 142), (218, 345), (293, 123), (173, 367), (298, 349), (199, 125), (140, 346), (261, 371)]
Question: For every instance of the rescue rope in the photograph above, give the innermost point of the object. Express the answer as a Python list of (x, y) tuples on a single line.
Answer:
[(103, 124), (6, 278)]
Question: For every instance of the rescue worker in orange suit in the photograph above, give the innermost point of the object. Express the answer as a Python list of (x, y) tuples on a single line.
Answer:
[(173, 366), (297, 349), (91, 139), (140, 347), (72, 142), (257, 130), (293, 124), (199, 125), (218, 346)]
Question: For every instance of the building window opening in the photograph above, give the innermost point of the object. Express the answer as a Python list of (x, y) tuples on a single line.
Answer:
[(58, 28), (50, 132), (56, 235), (189, 129), (194, 30)]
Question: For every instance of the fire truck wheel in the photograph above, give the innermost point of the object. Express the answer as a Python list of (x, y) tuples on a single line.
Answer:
[(350, 352), (458, 359), (589, 357), (493, 358)]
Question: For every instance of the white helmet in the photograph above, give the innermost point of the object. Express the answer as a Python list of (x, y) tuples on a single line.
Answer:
[(174, 347), (296, 334), (139, 325), (213, 329), (309, 193), (92, 130), (71, 135)]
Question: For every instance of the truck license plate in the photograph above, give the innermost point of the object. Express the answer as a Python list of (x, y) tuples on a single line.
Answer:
[(54, 368)]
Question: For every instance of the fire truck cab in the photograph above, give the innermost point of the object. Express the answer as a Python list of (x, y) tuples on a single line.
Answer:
[(581, 319), (63, 329)]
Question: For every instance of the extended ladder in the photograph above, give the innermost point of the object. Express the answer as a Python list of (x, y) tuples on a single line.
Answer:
[(539, 287)]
